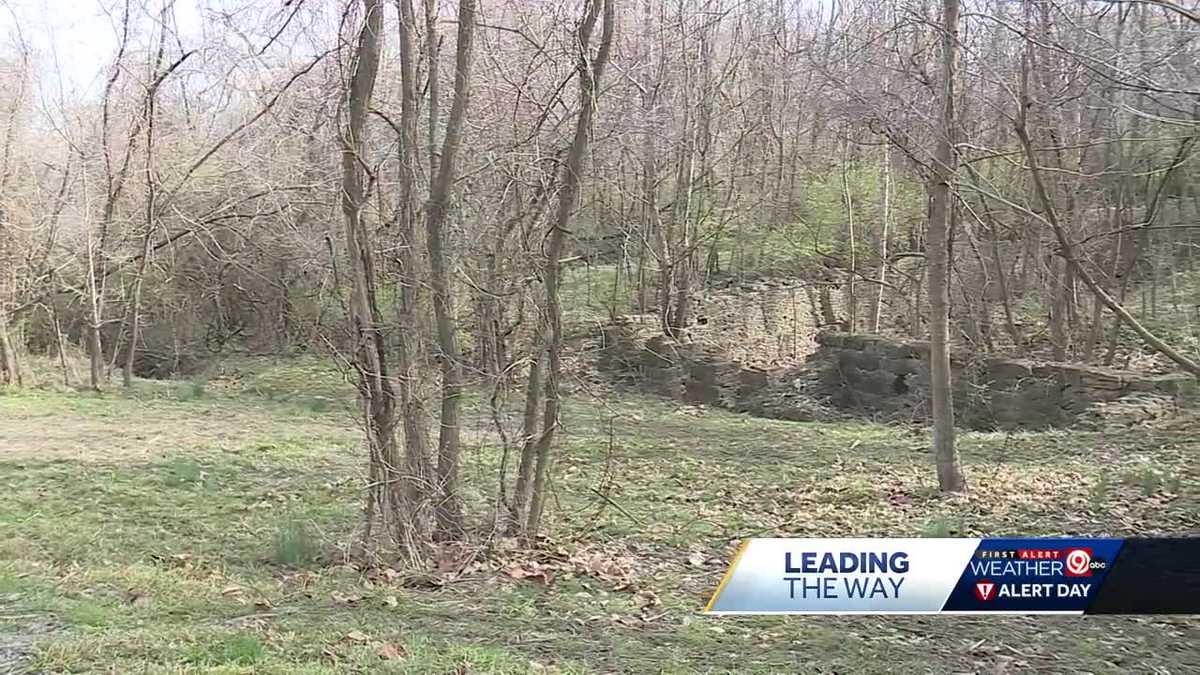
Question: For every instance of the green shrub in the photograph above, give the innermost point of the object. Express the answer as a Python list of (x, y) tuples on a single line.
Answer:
[(295, 545), (192, 389)]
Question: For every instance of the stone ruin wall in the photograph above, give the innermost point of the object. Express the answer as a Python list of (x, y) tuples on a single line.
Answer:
[(877, 374), (767, 324), (764, 347), (889, 379)]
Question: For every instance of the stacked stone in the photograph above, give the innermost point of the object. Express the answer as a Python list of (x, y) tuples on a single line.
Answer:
[(765, 323), (876, 374), (1022, 393), (890, 378)]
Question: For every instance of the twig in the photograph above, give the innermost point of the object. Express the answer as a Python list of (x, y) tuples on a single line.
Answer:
[(617, 506)]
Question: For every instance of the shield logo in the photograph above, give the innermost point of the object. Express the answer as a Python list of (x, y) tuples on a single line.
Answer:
[(985, 590)]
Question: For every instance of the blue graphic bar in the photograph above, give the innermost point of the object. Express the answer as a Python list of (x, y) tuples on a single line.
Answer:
[(962, 576)]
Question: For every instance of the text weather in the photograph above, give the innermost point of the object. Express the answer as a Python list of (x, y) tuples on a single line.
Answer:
[(1035, 575)]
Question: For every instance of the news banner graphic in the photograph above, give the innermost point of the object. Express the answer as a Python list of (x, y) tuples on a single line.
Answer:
[(962, 576)]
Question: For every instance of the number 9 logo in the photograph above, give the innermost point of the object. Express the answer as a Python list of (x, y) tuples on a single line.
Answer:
[(1078, 562)]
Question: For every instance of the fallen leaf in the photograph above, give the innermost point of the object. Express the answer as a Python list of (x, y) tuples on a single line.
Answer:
[(530, 569), (517, 571), (344, 599), (357, 636), (647, 598), (137, 598), (231, 590), (391, 652)]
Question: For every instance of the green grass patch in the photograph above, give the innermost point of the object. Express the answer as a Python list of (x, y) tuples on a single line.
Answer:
[(168, 535), (234, 650), (295, 545)]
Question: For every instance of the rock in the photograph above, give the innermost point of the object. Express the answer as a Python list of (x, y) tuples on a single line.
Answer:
[(906, 366), (887, 378), (1175, 384), (858, 359), (831, 339), (915, 349), (751, 381), (1008, 371), (1099, 379)]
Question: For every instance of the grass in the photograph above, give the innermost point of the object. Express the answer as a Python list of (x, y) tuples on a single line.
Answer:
[(593, 293), (295, 545), (158, 533)]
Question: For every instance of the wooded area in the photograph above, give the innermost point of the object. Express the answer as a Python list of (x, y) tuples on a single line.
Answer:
[(447, 201), (1056, 173)]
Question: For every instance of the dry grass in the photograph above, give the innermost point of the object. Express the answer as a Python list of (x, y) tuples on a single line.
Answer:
[(150, 530), (152, 422)]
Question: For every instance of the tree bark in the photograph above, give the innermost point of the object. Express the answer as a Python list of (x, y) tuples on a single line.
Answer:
[(852, 271), (877, 310), (529, 435), (10, 366), (417, 471), (941, 213), (371, 354), (448, 511), (432, 57), (590, 73)]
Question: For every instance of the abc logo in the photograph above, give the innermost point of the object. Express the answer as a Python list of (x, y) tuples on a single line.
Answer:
[(1079, 563)]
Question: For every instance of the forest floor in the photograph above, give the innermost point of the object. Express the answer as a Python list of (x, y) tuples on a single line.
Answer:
[(195, 527)]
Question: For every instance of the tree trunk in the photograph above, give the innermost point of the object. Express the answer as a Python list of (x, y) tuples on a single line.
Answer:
[(371, 354), (589, 82), (448, 511), (10, 365), (95, 348), (432, 54), (417, 471), (877, 311), (529, 435), (852, 270), (941, 213)]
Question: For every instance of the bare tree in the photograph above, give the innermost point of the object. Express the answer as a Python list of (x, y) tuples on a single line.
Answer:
[(371, 359), (148, 117), (10, 365), (590, 69), (417, 474), (937, 246), (1066, 249), (449, 507)]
